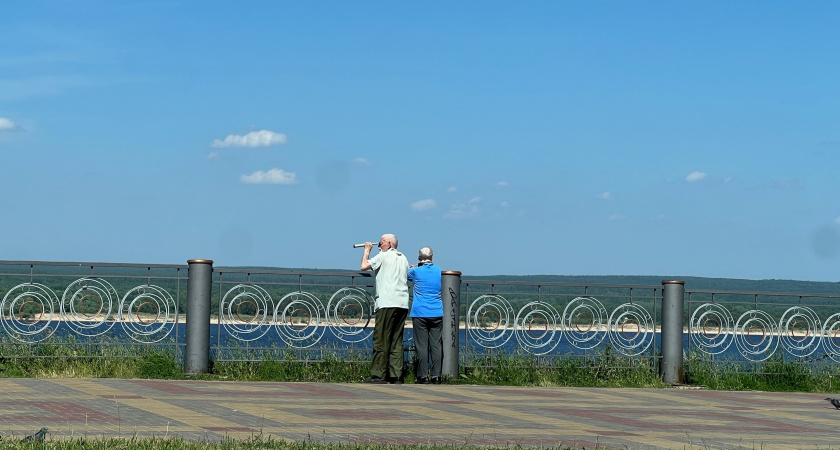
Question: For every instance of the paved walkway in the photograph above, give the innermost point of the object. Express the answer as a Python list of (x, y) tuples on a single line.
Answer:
[(444, 414)]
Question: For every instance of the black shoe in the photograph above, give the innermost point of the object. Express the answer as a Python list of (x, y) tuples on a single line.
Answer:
[(375, 380), (422, 380), (397, 381), (435, 380)]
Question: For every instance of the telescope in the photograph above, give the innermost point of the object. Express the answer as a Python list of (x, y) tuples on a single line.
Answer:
[(359, 245)]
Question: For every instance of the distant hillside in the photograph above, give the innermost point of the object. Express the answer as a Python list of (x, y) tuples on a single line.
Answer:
[(691, 283)]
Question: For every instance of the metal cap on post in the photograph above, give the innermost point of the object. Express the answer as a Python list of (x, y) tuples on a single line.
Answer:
[(199, 281), (671, 368), (450, 284)]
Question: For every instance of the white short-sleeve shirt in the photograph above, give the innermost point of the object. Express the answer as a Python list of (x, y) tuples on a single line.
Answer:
[(391, 270)]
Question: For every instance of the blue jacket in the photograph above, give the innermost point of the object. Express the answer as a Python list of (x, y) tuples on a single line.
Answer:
[(427, 302)]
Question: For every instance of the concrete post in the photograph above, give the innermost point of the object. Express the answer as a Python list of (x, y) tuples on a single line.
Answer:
[(199, 281), (450, 287), (671, 368)]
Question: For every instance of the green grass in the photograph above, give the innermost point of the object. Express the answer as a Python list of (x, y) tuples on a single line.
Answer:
[(70, 359), (774, 375)]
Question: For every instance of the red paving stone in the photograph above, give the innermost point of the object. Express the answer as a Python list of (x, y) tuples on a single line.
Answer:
[(453, 415)]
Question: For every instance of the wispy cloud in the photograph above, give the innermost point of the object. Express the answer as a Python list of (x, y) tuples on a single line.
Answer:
[(503, 184), (452, 189), (695, 176), (7, 125), (504, 204), (262, 138), (837, 220), (474, 200), (727, 180), (462, 211), (212, 155), (362, 162), (424, 205), (616, 216), (605, 195), (40, 86), (272, 176), (788, 184)]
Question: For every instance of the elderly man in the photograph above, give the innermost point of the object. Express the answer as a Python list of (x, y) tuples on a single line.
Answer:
[(427, 317), (391, 309)]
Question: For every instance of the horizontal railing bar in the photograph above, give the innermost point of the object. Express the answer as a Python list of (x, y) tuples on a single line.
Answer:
[(546, 284), (773, 294), (93, 264), (288, 272), (66, 275)]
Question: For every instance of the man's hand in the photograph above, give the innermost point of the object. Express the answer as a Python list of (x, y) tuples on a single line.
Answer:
[(366, 255)]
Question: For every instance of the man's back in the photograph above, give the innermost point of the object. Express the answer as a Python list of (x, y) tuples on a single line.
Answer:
[(391, 269)]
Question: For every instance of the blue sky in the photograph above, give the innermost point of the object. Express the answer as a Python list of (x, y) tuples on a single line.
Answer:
[(557, 137)]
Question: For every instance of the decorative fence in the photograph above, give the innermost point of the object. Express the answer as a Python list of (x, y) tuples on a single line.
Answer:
[(257, 314), (757, 326), (560, 318), (89, 303)]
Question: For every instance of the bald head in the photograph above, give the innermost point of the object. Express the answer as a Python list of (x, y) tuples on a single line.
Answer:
[(390, 239)]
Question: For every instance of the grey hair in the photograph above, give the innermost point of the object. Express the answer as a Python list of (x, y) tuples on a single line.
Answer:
[(391, 238), (425, 254)]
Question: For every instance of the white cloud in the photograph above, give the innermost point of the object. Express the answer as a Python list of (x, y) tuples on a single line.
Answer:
[(424, 205), (262, 138), (503, 183), (7, 125), (212, 155), (616, 216), (728, 179), (695, 176), (475, 200), (504, 204), (605, 196), (363, 162), (273, 176), (837, 220), (461, 211), (452, 189)]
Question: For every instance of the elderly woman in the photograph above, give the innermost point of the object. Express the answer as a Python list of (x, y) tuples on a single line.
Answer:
[(427, 317)]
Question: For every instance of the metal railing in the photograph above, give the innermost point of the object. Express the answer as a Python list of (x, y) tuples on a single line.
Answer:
[(265, 312), (91, 303), (258, 314), (551, 320), (758, 326)]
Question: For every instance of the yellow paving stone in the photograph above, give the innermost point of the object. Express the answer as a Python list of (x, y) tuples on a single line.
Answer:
[(93, 388), (9, 386), (418, 414)]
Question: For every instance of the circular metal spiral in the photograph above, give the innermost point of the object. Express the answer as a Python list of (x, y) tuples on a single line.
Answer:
[(631, 329), (299, 318), (245, 312), (349, 313), (538, 328), (28, 312), (87, 306), (584, 321), (831, 337), (490, 321), (800, 330), (148, 313), (711, 328), (756, 335)]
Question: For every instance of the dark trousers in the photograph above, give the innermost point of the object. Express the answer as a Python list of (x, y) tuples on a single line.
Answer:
[(388, 343), (427, 341)]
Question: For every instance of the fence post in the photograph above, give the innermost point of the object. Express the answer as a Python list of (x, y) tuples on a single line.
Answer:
[(450, 284), (671, 368), (199, 281)]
